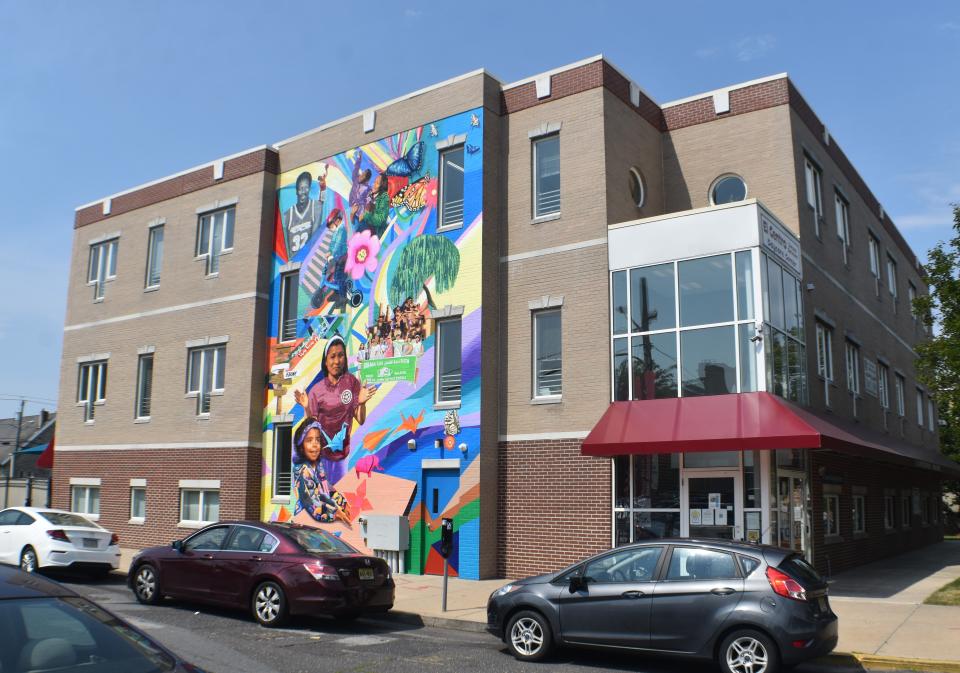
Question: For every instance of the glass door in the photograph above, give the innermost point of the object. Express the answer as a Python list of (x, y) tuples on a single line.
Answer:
[(713, 505), (792, 514)]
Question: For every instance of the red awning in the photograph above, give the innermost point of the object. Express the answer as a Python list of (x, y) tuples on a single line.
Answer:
[(744, 421)]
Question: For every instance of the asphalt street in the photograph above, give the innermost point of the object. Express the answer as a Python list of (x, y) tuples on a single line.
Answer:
[(222, 641)]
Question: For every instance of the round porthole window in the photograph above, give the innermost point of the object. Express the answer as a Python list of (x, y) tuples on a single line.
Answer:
[(637, 190), (727, 189)]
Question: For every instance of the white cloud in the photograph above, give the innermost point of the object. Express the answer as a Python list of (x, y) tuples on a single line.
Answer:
[(949, 25), (754, 46), (924, 220), (411, 13)]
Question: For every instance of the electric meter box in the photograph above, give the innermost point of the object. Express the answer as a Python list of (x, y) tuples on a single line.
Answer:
[(388, 532)]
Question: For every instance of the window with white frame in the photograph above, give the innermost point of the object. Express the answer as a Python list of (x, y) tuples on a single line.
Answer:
[(874, 247), (451, 187), (448, 365), (102, 265), (546, 175), (85, 500), (813, 180), (900, 388), (289, 293), (91, 387), (831, 514), (646, 501), (547, 354), (825, 357), (783, 342), (853, 368), (199, 505), (911, 296), (154, 256), (919, 408), (906, 513), (144, 385), (138, 503), (206, 368), (842, 210), (282, 459), (888, 512), (883, 386), (892, 277), (215, 237), (859, 514), (931, 409)]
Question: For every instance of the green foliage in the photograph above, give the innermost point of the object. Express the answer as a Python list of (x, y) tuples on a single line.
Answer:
[(938, 364), (424, 257)]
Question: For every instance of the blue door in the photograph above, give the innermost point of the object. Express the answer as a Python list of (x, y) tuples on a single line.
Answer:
[(439, 486)]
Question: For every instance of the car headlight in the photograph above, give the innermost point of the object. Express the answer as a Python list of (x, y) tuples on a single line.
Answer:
[(503, 591)]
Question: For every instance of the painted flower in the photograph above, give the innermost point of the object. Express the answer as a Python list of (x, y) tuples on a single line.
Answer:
[(362, 250)]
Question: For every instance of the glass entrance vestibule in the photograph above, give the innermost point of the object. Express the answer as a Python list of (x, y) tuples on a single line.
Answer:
[(752, 496)]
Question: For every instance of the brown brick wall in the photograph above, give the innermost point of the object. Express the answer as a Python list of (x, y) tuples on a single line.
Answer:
[(747, 99), (248, 164), (848, 550), (237, 469), (554, 506)]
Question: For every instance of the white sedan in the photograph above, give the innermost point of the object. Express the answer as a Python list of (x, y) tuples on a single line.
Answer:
[(40, 537)]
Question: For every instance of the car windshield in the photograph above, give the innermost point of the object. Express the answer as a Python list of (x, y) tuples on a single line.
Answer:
[(317, 541), (801, 570), (71, 633), (67, 519)]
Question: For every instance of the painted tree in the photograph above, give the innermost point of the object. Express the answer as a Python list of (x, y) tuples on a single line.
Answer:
[(425, 257), (938, 362)]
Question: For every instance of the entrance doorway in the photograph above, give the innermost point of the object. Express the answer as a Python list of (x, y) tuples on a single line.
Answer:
[(792, 511), (439, 487), (712, 504)]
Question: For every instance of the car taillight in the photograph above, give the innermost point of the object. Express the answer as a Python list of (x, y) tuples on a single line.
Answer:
[(114, 539), (58, 535), (786, 586), (321, 572)]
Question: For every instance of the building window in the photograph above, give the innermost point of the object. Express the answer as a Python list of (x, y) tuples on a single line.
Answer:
[(102, 266), (205, 374), (638, 189), (144, 385), (199, 506), (859, 514), (919, 408), (546, 176), (92, 387), (892, 277), (85, 500), (547, 354), (825, 358), (814, 199), (154, 256), (905, 513), (931, 424), (883, 386), (448, 373), (853, 368), (215, 237), (289, 293), (451, 188), (888, 515), (900, 390), (138, 503), (728, 189), (282, 468), (831, 518), (843, 225), (911, 297), (646, 497), (924, 510), (874, 247)]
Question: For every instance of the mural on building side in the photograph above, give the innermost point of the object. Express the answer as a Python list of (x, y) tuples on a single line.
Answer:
[(373, 246)]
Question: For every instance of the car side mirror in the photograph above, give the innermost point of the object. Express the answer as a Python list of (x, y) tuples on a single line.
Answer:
[(577, 582), (178, 545)]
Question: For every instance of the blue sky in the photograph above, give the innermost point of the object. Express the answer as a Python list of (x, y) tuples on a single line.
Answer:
[(97, 97)]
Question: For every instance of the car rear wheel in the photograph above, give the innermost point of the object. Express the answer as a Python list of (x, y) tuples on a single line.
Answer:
[(146, 587), (28, 560), (529, 637), (269, 605), (748, 651)]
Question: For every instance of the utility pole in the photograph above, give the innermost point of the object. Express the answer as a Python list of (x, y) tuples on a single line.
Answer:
[(13, 456)]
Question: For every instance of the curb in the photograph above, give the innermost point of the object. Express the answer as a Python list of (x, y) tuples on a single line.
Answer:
[(415, 619), (883, 662)]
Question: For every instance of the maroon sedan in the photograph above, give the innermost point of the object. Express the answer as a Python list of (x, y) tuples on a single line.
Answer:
[(273, 570)]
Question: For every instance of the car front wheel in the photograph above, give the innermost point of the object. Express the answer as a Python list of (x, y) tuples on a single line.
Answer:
[(269, 605), (28, 560), (146, 587), (748, 651), (529, 637)]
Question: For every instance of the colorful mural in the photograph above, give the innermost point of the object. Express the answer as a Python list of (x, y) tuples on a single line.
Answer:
[(358, 252)]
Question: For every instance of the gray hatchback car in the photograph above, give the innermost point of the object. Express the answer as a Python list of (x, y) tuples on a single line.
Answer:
[(750, 608)]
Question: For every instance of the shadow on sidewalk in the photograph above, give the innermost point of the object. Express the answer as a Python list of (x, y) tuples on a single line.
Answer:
[(890, 576)]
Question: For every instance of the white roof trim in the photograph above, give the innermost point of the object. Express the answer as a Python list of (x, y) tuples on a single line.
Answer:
[(727, 89)]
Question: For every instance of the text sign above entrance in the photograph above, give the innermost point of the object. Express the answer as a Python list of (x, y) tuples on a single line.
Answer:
[(777, 239)]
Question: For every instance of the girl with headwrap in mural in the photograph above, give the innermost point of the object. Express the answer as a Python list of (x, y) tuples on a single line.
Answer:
[(314, 494), (335, 401)]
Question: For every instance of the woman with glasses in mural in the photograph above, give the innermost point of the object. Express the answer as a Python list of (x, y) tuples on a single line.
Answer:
[(335, 401), (314, 494)]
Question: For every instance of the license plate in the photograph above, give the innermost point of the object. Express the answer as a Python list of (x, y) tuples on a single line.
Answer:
[(366, 573), (90, 543)]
